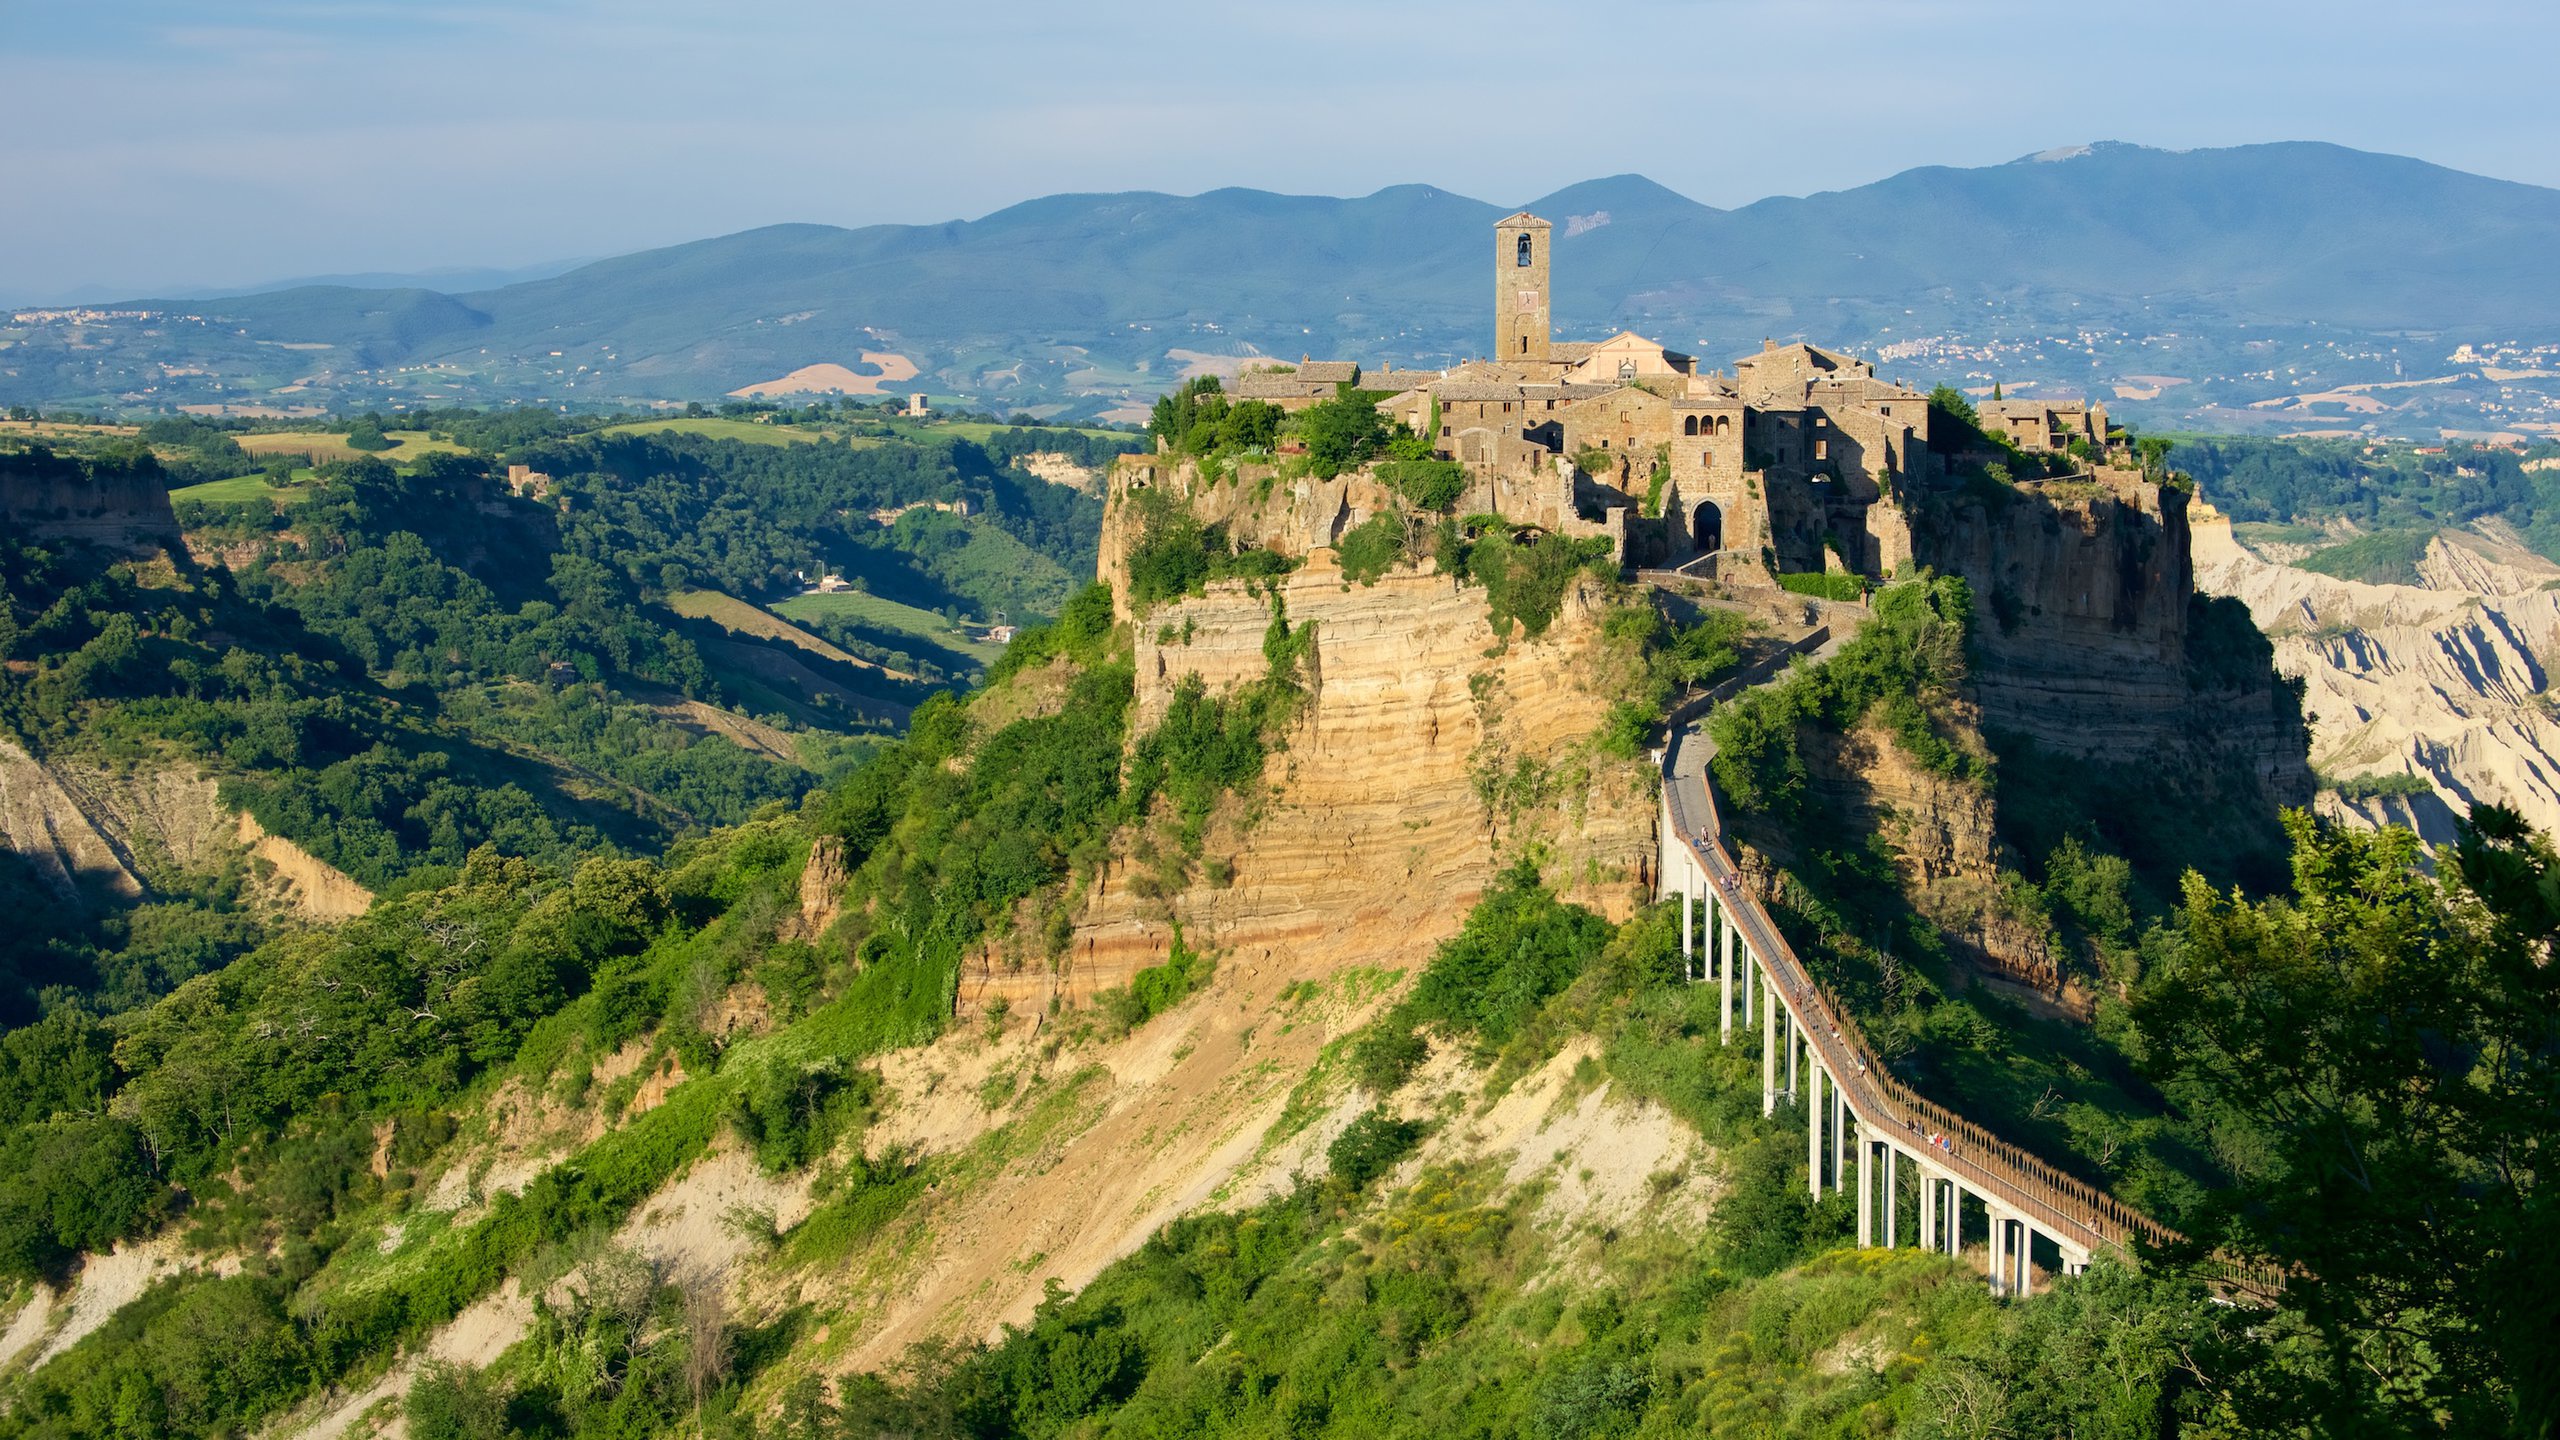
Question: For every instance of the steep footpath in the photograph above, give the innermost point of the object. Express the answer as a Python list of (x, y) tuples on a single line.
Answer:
[(2446, 680)]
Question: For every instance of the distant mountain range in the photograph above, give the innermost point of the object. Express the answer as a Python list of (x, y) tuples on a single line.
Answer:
[(2237, 287)]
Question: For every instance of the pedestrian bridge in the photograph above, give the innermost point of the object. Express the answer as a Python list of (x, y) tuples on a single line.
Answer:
[(1865, 1130)]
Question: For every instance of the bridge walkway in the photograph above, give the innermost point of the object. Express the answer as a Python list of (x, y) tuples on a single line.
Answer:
[(1869, 1114)]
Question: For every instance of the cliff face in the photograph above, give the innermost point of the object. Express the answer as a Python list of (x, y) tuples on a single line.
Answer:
[(2086, 641), (1426, 755), (85, 826), (1256, 508), (55, 501), (1946, 848)]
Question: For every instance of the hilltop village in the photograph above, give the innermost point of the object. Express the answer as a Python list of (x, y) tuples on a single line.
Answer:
[(1788, 463)]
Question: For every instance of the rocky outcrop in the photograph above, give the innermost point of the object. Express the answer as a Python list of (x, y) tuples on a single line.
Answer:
[(47, 828), (91, 831), (58, 500), (1250, 503), (1056, 468), (822, 883), (1943, 834), (2086, 634), (1425, 756), (2446, 680), (315, 887)]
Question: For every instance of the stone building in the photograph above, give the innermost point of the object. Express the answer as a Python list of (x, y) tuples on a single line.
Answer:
[(2045, 426), (1790, 463)]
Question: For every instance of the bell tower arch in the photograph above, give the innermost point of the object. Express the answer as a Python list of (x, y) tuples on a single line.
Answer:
[(1520, 257)]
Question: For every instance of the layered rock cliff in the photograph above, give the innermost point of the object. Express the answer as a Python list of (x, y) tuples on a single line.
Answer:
[(2091, 642), (1426, 755), (52, 498)]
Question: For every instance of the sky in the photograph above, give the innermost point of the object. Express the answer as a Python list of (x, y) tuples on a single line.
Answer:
[(157, 146)]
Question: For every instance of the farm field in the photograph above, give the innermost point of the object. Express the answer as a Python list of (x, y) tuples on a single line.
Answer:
[(238, 490), (407, 447), (733, 614), (979, 431), (63, 430), (888, 614), (748, 431)]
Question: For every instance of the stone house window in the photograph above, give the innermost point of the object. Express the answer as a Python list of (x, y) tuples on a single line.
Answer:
[(1821, 449)]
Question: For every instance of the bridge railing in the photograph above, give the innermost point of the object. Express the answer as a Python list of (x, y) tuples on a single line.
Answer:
[(2063, 1205)]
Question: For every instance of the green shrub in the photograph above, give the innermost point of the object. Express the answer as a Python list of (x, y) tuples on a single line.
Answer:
[(1432, 485), (2385, 557), (1520, 945), (1911, 650), (1370, 1147), (1158, 988), (2397, 784), (1371, 548), (1826, 585), (1387, 1054), (1526, 583)]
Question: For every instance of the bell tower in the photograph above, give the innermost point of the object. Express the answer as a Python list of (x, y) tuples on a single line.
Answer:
[(1520, 287)]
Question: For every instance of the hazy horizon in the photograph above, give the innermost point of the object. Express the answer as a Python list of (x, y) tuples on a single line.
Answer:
[(297, 138)]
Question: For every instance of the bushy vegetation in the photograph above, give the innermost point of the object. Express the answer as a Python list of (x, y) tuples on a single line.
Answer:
[(2396, 491), (1196, 418), (1525, 583), (401, 665), (1909, 657), (1824, 585), (2386, 557), (1520, 945), (2396, 784), (1426, 484), (1175, 555)]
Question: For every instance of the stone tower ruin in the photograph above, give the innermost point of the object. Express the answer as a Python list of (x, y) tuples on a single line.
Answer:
[(1520, 254)]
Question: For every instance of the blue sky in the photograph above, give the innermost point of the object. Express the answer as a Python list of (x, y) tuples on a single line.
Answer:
[(155, 145)]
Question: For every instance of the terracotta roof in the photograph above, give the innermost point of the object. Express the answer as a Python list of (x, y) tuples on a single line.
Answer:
[(1570, 351), (1471, 390), (1393, 379), (1329, 372), (1277, 385), (1522, 219)]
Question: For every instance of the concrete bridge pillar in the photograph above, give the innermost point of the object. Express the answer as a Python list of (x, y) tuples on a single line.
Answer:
[(1768, 1056), (1724, 974), (1892, 1197), (1707, 926), (1795, 1043), (1813, 1130), (1928, 1207), (1867, 1192), (1998, 1257), (1839, 1132)]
